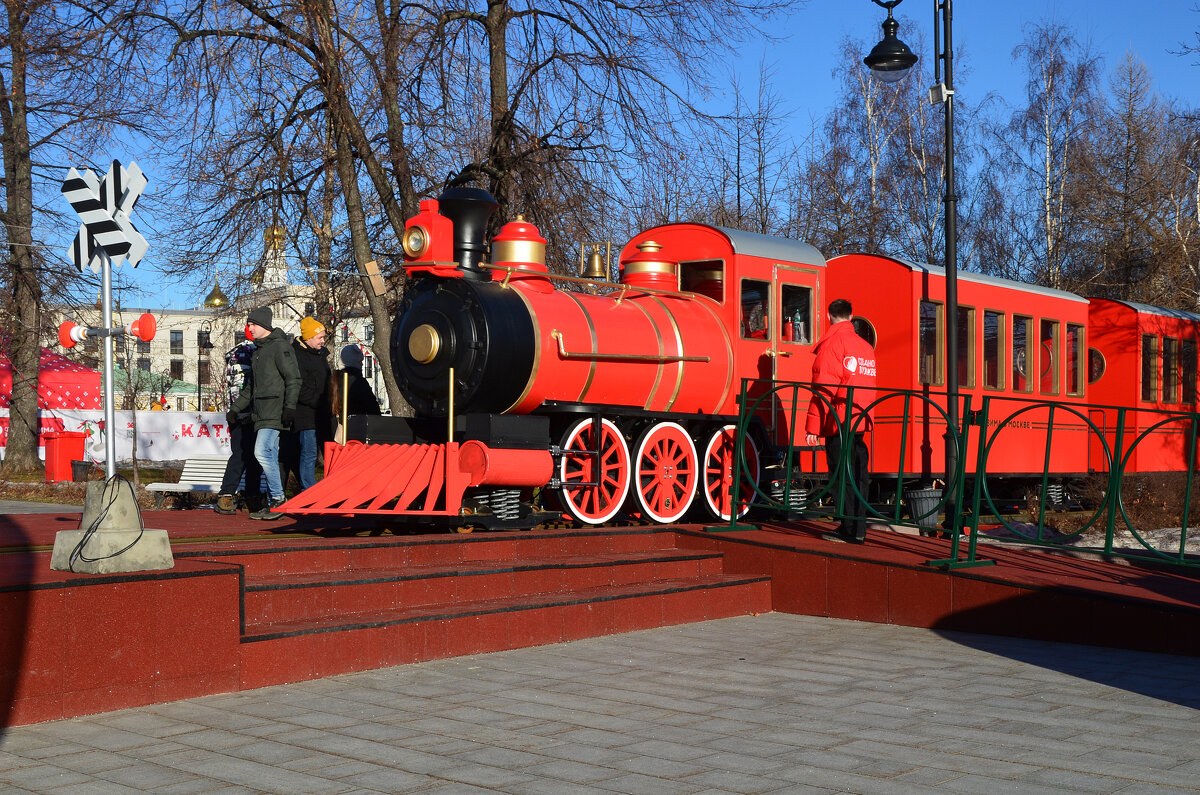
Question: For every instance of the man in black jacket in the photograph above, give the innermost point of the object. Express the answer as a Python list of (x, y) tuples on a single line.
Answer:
[(271, 400), (312, 408)]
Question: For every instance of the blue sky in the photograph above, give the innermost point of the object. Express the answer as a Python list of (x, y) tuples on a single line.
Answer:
[(807, 48), (985, 33)]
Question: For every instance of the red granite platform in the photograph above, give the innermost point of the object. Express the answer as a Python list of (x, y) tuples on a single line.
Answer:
[(253, 603)]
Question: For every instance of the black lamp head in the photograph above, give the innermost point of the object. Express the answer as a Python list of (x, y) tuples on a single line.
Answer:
[(891, 58)]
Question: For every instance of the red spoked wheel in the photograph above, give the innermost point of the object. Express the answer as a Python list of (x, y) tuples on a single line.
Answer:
[(594, 471), (667, 474), (718, 472)]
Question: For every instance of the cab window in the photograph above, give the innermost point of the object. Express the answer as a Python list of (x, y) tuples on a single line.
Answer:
[(755, 314), (796, 321), (865, 329), (706, 277)]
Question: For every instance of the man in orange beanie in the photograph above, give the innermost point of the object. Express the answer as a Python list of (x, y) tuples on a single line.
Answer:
[(312, 409)]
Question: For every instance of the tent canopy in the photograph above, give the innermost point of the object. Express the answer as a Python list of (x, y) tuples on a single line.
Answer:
[(62, 383)]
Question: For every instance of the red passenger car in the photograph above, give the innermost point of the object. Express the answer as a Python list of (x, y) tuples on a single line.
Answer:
[(1017, 344), (1144, 358)]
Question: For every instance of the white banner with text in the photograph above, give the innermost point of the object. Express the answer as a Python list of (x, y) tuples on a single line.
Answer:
[(160, 435)]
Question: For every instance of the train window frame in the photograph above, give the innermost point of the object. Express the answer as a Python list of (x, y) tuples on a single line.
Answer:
[(1074, 360), (1170, 369), (1020, 358), (748, 319), (936, 357), (688, 269), (1050, 372), (966, 346), (1148, 353), (1000, 337), (1187, 374), (787, 307)]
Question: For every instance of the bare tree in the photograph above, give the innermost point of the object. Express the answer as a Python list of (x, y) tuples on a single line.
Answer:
[(1184, 200), (1042, 152), (860, 175), (562, 87), (70, 75), (748, 158), (577, 75), (1123, 202)]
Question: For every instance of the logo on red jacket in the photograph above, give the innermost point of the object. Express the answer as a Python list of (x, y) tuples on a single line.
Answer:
[(850, 363)]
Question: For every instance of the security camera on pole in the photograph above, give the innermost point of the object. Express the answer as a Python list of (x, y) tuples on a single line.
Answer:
[(110, 537)]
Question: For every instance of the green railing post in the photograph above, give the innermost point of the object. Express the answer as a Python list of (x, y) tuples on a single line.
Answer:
[(1113, 490), (745, 413), (956, 486), (1187, 494)]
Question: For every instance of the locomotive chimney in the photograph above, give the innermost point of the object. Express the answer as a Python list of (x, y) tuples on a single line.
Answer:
[(469, 209)]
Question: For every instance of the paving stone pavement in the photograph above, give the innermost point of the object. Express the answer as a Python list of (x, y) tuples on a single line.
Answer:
[(771, 703)]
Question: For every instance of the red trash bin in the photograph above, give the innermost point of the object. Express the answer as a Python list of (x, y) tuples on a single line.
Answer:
[(62, 447)]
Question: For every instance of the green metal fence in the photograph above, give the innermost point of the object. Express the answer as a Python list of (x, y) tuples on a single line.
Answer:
[(1110, 447)]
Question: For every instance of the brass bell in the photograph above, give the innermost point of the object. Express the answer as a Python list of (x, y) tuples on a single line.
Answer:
[(595, 268)]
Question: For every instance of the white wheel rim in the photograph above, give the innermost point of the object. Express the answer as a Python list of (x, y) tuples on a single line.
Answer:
[(621, 466), (664, 473), (715, 441)]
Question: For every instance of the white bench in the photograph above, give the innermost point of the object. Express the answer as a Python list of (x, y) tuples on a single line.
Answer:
[(202, 474)]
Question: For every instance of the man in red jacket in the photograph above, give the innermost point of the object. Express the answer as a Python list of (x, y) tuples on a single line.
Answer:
[(844, 360)]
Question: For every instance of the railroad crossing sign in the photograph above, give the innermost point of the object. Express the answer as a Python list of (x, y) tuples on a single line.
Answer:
[(107, 235), (105, 206)]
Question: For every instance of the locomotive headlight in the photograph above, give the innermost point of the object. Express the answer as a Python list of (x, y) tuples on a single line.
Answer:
[(415, 241), (424, 344)]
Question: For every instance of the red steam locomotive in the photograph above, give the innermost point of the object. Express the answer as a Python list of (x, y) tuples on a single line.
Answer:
[(621, 399)]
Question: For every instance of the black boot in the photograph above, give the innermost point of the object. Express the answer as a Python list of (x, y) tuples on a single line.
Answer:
[(268, 512)]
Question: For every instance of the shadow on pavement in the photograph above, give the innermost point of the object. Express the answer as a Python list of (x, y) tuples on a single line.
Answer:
[(1053, 639)]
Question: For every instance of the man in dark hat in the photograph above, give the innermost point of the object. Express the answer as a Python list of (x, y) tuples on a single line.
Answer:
[(271, 399)]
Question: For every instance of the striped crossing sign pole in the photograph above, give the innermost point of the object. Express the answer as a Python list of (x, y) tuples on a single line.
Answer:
[(106, 236)]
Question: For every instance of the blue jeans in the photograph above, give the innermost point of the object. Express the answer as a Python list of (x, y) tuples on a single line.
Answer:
[(308, 457), (266, 450)]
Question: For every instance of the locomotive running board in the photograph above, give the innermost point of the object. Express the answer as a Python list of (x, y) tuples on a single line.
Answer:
[(387, 479)]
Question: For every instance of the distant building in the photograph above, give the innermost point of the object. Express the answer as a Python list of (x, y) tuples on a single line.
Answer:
[(185, 362)]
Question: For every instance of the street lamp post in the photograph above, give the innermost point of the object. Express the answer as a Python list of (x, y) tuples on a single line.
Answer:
[(203, 347), (890, 60)]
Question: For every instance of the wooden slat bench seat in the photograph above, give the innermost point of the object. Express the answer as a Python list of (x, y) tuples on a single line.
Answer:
[(201, 474)]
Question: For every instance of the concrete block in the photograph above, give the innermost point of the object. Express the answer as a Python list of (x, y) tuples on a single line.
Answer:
[(111, 535)]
